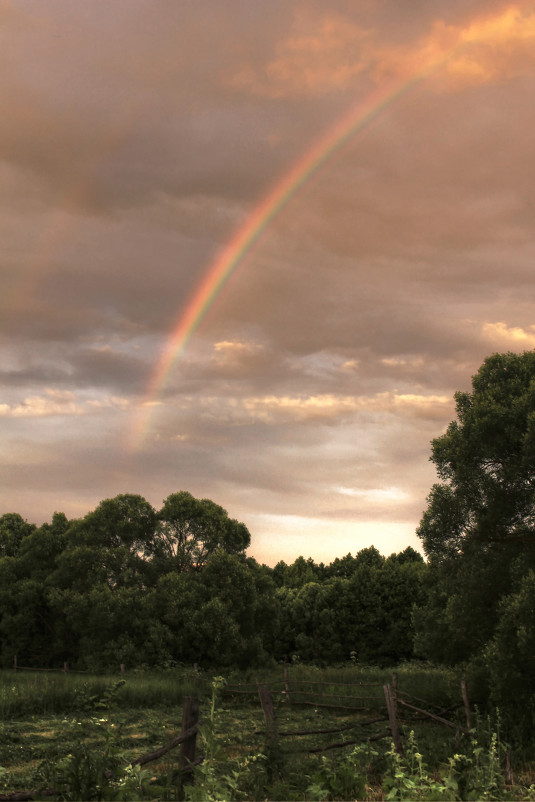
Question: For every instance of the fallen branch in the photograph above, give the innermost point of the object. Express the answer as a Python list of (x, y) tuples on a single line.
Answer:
[(418, 699), (435, 718), (332, 695), (333, 707), (441, 712), (150, 756), (338, 745), (335, 729)]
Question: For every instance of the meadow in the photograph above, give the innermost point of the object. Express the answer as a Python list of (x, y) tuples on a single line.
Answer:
[(79, 733)]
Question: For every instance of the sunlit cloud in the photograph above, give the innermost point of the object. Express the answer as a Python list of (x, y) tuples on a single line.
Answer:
[(494, 47), (402, 362), (374, 493), (328, 52), (503, 336), (323, 53), (274, 409), (63, 403), (235, 353)]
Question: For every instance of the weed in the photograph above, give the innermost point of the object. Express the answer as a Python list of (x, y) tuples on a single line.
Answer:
[(473, 777), (85, 701), (85, 773), (344, 779)]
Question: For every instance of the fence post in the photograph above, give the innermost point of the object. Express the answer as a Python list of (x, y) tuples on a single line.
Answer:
[(287, 683), (15, 662), (508, 769), (392, 718), (395, 685), (122, 668), (65, 667), (267, 706), (466, 703), (190, 717)]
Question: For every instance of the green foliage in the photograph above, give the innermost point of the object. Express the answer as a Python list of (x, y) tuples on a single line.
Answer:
[(127, 584), (478, 527), (97, 771), (191, 530), (85, 773), (345, 778), (408, 777), (90, 758), (510, 658), (477, 776), (85, 701), (218, 778), (24, 693), (367, 611), (13, 530)]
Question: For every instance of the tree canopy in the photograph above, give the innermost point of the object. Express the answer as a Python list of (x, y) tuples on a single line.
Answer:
[(128, 583), (478, 529)]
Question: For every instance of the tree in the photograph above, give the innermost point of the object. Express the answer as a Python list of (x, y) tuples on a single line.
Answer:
[(28, 625), (511, 657), (110, 545), (299, 573), (13, 529), (478, 530), (191, 529), (126, 520), (210, 615)]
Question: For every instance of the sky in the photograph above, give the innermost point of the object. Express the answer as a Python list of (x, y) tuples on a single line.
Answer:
[(251, 250)]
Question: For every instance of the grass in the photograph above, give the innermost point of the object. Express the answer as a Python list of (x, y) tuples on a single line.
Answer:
[(45, 715), (40, 693)]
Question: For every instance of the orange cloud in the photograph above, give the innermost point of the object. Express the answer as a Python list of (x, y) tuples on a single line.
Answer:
[(59, 403), (503, 336), (325, 54), (272, 409), (494, 48)]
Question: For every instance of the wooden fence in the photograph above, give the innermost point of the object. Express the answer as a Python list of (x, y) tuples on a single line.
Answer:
[(387, 705), (65, 669)]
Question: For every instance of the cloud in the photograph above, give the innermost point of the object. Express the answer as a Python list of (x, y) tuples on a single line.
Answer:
[(59, 403), (323, 53), (236, 357), (55, 402), (494, 46), (374, 494), (327, 52), (137, 142), (502, 336), (327, 408)]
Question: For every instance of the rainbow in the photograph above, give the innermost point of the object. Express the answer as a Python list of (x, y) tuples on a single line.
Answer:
[(249, 232)]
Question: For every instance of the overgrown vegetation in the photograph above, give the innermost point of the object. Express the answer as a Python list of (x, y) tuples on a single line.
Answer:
[(87, 755)]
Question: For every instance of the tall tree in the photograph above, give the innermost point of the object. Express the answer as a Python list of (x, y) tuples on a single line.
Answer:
[(479, 526), (109, 545), (191, 529)]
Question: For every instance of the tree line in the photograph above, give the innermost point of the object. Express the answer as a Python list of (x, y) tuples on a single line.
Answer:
[(131, 584)]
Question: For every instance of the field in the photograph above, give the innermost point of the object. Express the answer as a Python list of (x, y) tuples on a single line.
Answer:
[(70, 731)]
